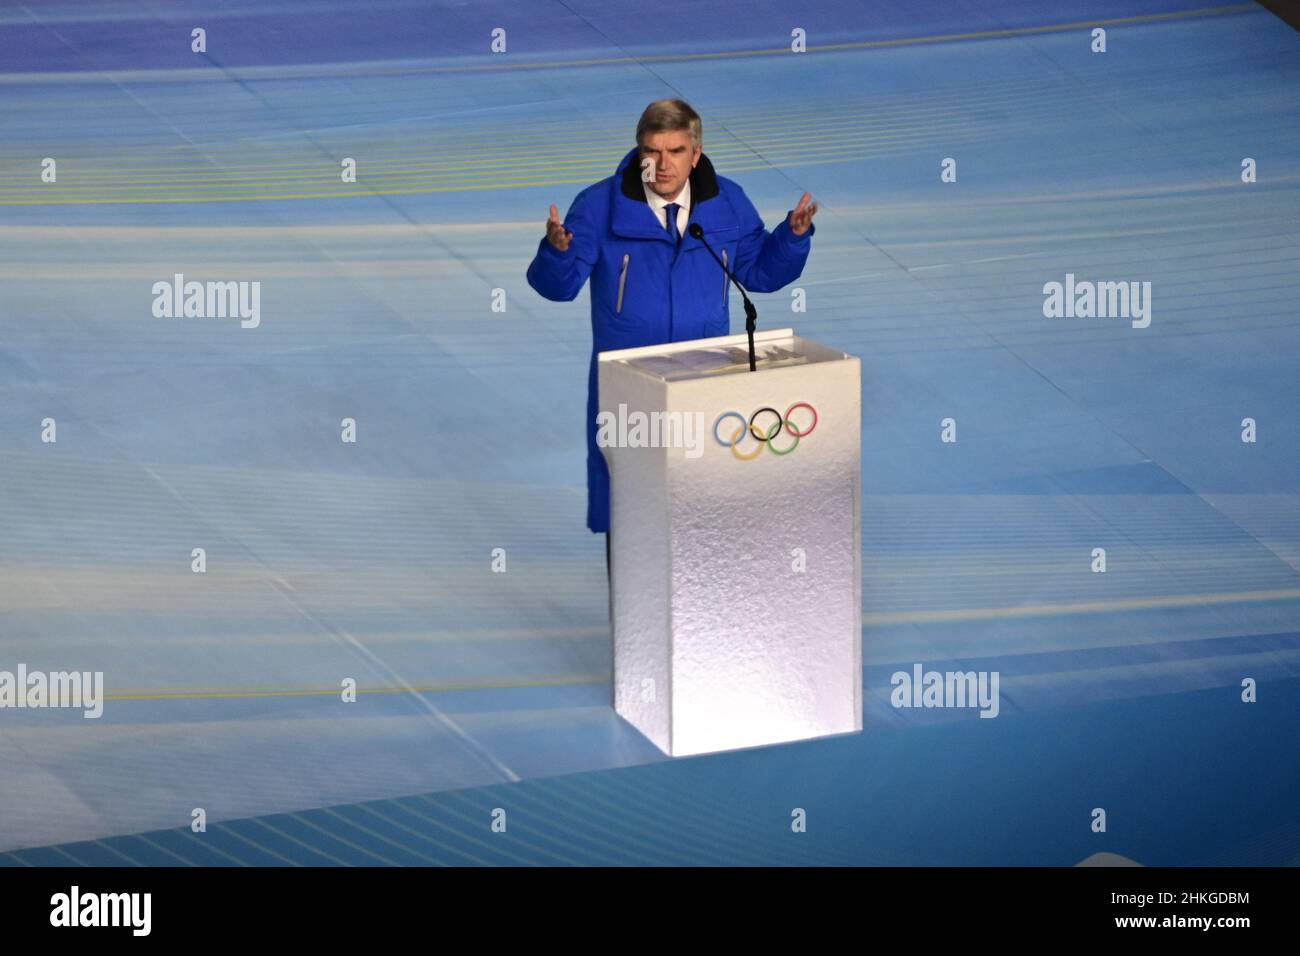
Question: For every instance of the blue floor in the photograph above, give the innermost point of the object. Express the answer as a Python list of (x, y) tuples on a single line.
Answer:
[(371, 561), (1181, 778)]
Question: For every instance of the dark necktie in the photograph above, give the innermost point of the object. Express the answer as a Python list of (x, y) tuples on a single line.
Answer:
[(672, 222)]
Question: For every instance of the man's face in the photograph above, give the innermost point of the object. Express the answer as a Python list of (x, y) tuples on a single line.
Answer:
[(673, 157)]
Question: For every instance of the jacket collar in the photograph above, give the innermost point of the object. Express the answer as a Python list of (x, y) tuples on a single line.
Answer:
[(633, 218)]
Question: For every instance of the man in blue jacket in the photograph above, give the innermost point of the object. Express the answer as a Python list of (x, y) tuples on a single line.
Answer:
[(651, 281)]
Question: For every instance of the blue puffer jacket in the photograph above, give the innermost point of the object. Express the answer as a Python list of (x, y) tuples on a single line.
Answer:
[(645, 291)]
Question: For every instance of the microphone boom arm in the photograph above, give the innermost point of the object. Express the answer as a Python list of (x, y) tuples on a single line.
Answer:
[(751, 313)]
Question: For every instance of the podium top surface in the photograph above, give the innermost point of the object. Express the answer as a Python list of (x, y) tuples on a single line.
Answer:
[(725, 355)]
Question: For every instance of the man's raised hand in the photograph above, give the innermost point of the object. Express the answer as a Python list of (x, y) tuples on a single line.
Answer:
[(556, 234), (801, 217)]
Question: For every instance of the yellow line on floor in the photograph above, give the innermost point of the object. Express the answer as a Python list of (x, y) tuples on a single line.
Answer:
[(235, 694), (499, 63), (1080, 607), (902, 617)]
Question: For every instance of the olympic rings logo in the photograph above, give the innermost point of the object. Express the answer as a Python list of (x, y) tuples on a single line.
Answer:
[(765, 435)]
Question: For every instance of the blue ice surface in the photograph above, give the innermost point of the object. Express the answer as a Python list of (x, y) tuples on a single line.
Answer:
[(1007, 792), (371, 561)]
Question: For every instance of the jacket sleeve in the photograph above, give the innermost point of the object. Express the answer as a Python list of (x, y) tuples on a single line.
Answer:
[(559, 276), (767, 261)]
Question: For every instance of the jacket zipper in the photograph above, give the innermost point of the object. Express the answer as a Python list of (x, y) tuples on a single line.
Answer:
[(725, 290), (622, 281)]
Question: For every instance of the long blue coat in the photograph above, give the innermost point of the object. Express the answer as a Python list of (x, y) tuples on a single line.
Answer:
[(645, 290)]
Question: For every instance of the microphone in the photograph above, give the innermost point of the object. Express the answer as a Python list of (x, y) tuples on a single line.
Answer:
[(751, 313)]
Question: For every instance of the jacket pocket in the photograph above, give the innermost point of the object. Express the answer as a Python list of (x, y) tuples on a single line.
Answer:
[(622, 282)]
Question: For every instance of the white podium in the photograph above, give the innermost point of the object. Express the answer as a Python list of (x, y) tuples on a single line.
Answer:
[(736, 544)]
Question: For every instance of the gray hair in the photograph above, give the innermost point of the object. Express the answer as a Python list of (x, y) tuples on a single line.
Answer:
[(665, 116)]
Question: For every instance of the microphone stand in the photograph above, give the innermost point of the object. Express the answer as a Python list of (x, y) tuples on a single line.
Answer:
[(751, 313)]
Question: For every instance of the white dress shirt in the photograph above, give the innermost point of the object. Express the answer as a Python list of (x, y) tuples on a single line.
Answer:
[(659, 205)]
